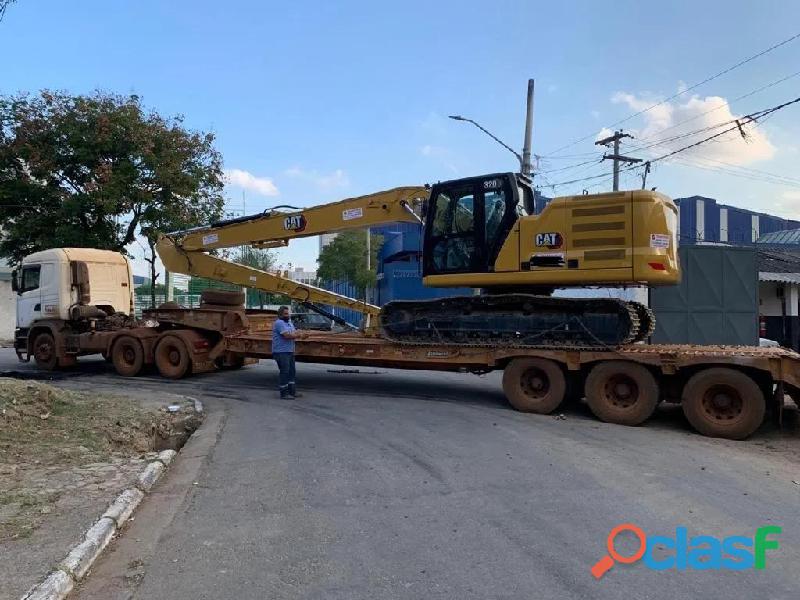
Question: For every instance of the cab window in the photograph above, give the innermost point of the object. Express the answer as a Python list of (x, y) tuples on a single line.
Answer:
[(494, 204), (30, 278)]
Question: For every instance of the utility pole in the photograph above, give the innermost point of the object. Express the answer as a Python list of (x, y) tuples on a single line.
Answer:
[(616, 157), (526, 147)]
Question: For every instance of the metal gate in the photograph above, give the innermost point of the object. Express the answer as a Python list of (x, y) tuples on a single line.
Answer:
[(716, 301)]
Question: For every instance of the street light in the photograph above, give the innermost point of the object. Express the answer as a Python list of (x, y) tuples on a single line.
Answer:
[(494, 137)]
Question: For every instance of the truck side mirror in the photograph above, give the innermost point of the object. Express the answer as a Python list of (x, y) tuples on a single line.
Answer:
[(14, 281), (80, 279)]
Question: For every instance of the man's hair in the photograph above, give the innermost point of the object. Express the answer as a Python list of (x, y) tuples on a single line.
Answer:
[(282, 308)]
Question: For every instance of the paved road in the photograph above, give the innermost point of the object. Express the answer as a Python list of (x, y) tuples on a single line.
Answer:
[(390, 484)]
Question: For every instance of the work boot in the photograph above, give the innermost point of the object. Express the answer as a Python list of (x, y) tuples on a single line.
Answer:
[(285, 395), (293, 393)]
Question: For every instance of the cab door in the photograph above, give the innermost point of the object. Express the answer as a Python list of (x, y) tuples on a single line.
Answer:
[(29, 299)]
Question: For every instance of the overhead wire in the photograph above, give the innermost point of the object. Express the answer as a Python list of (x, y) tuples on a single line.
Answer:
[(682, 92)]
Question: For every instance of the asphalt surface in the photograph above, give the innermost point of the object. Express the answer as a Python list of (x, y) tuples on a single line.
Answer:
[(390, 484)]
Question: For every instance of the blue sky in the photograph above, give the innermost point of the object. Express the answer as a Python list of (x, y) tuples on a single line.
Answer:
[(318, 101)]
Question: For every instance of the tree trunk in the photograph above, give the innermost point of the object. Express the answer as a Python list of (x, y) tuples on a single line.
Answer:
[(153, 274)]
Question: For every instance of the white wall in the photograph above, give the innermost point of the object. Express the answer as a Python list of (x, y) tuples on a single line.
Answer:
[(8, 311), (770, 302)]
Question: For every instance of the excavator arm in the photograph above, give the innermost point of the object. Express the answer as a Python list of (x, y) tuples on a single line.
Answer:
[(187, 251)]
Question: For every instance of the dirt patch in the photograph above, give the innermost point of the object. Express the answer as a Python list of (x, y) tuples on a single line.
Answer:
[(55, 443)]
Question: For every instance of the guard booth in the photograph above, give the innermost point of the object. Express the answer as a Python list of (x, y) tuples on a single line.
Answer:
[(716, 301)]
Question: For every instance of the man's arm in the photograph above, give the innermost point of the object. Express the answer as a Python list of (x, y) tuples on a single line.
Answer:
[(289, 334)]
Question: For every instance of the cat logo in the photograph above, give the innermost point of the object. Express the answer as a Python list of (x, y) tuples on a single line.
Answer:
[(294, 223), (549, 240)]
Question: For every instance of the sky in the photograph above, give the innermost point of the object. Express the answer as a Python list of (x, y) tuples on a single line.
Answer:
[(316, 101)]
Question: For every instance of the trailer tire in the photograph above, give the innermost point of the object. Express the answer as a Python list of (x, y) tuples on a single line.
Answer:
[(127, 355), (171, 357), (621, 392), (723, 402), (534, 385), (222, 298), (45, 352)]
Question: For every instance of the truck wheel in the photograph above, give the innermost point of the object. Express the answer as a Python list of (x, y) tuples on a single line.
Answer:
[(127, 356), (722, 402), (44, 352), (222, 298), (621, 392), (534, 385), (172, 357)]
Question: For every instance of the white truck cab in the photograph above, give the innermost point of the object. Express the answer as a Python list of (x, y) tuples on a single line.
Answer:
[(59, 289)]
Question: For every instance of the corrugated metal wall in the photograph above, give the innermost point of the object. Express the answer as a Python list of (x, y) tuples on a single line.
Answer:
[(716, 301)]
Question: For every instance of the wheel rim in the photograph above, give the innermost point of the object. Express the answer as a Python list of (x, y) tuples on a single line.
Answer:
[(128, 355), (621, 391), (535, 383), (174, 356), (44, 350), (722, 402)]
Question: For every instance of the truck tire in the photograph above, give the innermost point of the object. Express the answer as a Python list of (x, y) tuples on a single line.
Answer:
[(621, 392), (222, 298), (127, 356), (172, 358), (45, 352), (723, 402), (534, 385)]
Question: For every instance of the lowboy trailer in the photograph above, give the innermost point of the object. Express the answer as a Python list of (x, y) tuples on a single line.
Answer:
[(725, 391)]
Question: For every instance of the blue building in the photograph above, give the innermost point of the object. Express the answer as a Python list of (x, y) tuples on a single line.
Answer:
[(704, 220), (400, 266)]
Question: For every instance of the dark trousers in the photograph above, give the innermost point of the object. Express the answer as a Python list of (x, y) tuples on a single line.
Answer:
[(285, 362)]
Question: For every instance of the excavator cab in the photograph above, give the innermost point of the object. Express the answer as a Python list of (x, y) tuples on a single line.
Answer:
[(468, 220)]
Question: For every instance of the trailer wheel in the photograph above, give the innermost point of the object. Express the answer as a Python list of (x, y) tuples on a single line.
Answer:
[(621, 392), (45, 352), (722, 402), (172, 357), (127, 356), (534, 385)]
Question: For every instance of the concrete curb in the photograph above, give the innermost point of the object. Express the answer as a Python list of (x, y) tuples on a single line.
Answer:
[(58, 584)]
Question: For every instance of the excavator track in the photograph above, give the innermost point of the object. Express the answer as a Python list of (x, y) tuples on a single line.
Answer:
[(512, 320), (647, 321)]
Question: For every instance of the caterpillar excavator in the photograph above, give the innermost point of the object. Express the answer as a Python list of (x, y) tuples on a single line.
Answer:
[(480, 232)]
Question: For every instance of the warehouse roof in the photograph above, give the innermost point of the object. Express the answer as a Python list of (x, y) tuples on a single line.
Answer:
[(788, 236), (778, 261)]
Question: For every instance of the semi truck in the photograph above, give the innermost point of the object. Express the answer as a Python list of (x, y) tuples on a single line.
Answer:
[(75, 302)]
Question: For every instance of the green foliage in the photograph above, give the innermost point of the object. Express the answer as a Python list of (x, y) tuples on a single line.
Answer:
[(262, 260), (95, 170), (345, 258)]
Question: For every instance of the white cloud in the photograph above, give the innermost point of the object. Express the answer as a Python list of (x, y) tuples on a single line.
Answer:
[(699, 113), (787, 205), (441, 155), (251, 183), (325, 181)]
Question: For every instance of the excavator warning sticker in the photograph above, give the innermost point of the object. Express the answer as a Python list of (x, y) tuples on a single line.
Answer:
[(352, 213), (294, 223), (549, 240), (211, 238), (659, 240)]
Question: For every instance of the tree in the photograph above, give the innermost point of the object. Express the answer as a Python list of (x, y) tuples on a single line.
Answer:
[(345, 258), (98, 170), (262, 260)]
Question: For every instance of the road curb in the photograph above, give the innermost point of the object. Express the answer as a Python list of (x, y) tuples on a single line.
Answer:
[(59, 583)]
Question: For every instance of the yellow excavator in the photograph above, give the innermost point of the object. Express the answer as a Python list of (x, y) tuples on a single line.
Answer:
[(479, 232)]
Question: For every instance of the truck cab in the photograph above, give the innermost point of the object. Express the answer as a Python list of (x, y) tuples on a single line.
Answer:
[(61, 291)]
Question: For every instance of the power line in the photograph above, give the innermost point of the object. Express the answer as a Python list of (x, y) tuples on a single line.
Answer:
[(720, 107), (739, 125), (692, 87)]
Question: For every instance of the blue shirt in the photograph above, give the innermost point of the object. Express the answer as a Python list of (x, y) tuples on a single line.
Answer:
[(280, 343)]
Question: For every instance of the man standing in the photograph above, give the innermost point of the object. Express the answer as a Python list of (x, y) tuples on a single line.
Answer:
[(283, 337)]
